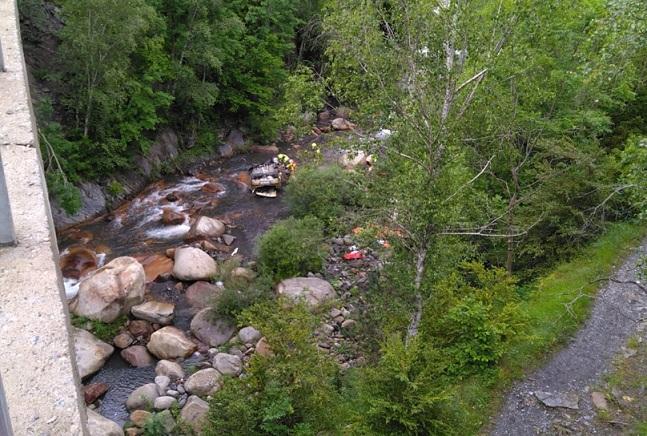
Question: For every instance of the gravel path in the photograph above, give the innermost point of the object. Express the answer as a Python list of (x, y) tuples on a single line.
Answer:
[(576, 369)]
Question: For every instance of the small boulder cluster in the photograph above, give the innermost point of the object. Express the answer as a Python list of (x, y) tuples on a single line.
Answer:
[(189, 390)]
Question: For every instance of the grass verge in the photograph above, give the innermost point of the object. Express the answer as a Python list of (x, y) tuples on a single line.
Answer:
[(556, 307)]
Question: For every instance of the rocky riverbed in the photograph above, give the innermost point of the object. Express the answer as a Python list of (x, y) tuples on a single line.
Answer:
[(147, 270)]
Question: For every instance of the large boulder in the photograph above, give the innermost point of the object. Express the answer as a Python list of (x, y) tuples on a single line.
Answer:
[(91, 353), (312, 290), (100, 426), (170, 343), (110, 291), (138, 356), (169, 369), (205, 227), (204, 382), (201, 294), (193, 264), (143, 397), (154, 311), (209, 331), (172, 218), (194, 412)]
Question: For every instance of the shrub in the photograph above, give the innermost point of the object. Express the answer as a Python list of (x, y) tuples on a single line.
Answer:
[(473, 315), (324, 192), (240, 293), (291, 392), (405, 393), (115, 188), (292, 247)]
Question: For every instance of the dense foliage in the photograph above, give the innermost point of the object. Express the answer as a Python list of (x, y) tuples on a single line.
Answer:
[(324, 193), (292, 247), (124, 69)]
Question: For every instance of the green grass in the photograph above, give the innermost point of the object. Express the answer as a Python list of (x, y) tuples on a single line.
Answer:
[(104, 331), (556, 306)]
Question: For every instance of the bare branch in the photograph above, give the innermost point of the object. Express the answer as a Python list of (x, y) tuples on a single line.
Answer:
[(487, 164)]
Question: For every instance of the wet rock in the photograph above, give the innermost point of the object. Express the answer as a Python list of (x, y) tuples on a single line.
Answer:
[(169, 369), (200, 294), (123, 340), (171, 217), (599, 401), (228, 364), (140, 417), (194, 412), (140, 328), (93, 392), (138, 356), (155, 266), (211, 332), (170, 343), (143, 397), (312, 290), (249, 335), (100, 426), (205, 227), (154, 311), (193, 264), (110, 291), (263, 348), (77, 261), (204, 382), (172, 197), (163, 403), (91, 353), (559, 399), (170, 253), (342, 124), (212, 188)]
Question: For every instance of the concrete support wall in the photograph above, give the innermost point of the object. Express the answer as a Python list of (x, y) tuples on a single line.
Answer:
[(37, 361)]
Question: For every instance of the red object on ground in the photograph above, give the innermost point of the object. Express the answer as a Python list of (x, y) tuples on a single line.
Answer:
[(354, 255)]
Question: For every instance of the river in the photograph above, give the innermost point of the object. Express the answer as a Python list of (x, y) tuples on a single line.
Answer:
[(219, 190)]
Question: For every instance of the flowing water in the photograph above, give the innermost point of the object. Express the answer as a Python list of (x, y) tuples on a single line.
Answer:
[(219, 190)]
